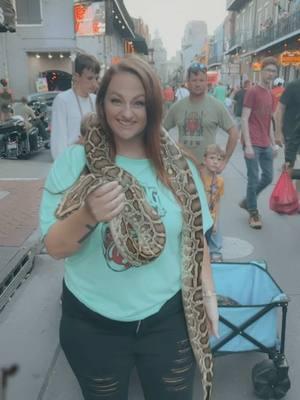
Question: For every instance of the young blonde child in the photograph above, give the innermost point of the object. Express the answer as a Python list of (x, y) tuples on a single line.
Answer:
[(214, 187), (87, 122)]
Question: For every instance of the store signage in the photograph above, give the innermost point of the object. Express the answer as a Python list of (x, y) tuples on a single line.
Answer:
[(213, 77), (290, 58), (41, 85), (256, 66), (89, 18)]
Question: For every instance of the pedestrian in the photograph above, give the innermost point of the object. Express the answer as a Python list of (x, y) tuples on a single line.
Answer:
[(258, 139), (168, 95), (220, 92), (238, 99), (288, 122), (277, 90), (6, 94), (70, 106), (116, 313), (181, 92), (6, 112), (199, 116), (24, 110), (228, 103), (214, 187)]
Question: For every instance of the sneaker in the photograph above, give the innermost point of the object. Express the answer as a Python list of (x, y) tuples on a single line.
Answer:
[(243, 204), (255, 220)]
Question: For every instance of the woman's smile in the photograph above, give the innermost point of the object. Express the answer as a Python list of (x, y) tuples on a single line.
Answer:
[(125, 109)]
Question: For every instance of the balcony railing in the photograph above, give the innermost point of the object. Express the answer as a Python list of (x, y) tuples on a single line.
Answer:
[(284, 27)]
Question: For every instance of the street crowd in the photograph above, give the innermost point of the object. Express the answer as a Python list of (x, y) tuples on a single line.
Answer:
[(108, 140)]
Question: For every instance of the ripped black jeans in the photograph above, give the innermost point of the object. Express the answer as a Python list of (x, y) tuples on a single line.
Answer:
[(103, 352)]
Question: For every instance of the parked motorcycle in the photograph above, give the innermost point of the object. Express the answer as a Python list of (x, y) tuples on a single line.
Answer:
[(42, 120), (18, 142)]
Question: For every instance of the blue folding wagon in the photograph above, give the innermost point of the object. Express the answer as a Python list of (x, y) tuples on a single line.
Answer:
[(249, 302)]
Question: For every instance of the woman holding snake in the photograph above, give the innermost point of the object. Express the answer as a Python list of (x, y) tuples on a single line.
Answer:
[(128, 213)]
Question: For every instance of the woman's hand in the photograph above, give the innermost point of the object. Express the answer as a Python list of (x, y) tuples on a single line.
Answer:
[(211, 308), (106, 202)]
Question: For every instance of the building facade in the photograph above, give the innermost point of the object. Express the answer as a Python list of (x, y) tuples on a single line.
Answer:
[(263, 28), (194, 40), (50, 33), (160, 58)]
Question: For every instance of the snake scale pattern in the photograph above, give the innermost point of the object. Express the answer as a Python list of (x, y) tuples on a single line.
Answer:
[(139, 233)]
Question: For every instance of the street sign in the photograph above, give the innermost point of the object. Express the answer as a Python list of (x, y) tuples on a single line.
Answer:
[(290, 58)]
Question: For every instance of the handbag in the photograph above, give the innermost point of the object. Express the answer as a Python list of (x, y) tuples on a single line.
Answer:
[(284, 198)]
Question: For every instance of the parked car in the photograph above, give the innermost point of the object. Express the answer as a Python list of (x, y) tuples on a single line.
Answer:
[(43, 97)]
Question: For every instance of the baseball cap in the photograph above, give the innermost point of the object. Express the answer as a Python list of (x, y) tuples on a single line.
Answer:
[(278, 81)]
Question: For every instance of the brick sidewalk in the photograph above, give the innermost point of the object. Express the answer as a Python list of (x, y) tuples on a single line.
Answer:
[(19, 208)]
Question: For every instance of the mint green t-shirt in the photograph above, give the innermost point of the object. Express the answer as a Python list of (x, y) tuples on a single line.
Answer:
[(97, 274)]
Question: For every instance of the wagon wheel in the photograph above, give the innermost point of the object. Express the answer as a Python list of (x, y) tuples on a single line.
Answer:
[(270, 381)]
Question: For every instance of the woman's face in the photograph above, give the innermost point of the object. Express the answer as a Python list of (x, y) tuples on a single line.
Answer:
[(125, 108)]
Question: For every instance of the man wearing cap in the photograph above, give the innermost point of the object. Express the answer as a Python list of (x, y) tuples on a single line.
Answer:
[(277, 90), (199, 116)]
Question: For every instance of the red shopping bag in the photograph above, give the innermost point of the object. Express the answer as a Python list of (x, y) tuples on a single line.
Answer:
[(284, 198)]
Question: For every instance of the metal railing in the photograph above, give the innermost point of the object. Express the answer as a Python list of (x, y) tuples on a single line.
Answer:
[(283, 27)]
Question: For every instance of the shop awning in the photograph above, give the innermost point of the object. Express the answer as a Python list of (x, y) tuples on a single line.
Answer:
[(233, 49), (140, 44)]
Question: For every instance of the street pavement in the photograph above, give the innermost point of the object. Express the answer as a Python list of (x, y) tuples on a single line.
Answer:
[(29, 322)]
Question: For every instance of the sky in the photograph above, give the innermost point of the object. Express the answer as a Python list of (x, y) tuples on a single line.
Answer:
[(169, 17)]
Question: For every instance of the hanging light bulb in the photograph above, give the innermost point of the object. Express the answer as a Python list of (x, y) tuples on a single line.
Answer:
[(61, 55), (37, 56), (50, 55)]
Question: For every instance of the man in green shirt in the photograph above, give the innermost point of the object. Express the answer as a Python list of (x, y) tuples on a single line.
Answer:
[(220, 92), (199, 116)]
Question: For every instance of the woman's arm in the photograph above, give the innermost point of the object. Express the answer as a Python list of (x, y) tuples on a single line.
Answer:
[(65, 237)]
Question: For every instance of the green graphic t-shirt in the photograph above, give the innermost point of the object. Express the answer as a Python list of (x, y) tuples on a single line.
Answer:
[(97, 274), (198, 122)]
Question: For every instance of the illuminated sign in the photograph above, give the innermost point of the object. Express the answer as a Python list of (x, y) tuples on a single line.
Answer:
[(290, 58), (89, 19), (115, 60), (213, 77), (256, 66)]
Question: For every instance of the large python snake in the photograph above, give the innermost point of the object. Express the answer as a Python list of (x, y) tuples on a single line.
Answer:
[(139, 233)]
